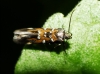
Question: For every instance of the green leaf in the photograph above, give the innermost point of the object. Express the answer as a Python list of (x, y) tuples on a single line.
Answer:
[(83, 54)]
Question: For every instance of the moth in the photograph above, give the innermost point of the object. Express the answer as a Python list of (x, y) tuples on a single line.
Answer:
[(41, 35)]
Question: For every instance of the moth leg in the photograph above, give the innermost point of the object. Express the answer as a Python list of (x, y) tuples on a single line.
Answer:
[(64, 46), (59, 44)]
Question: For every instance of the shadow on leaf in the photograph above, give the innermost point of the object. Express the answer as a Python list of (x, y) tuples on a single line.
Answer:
[(52, 47)]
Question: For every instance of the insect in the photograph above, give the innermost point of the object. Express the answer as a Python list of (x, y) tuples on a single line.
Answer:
[(41, 35)]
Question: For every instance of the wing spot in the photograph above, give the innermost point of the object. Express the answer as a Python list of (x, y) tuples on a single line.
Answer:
[(43, 41)]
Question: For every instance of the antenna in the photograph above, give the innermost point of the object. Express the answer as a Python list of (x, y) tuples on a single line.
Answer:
[(70, 22)]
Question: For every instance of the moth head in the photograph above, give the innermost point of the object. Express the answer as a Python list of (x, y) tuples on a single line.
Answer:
[(68, 35)]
